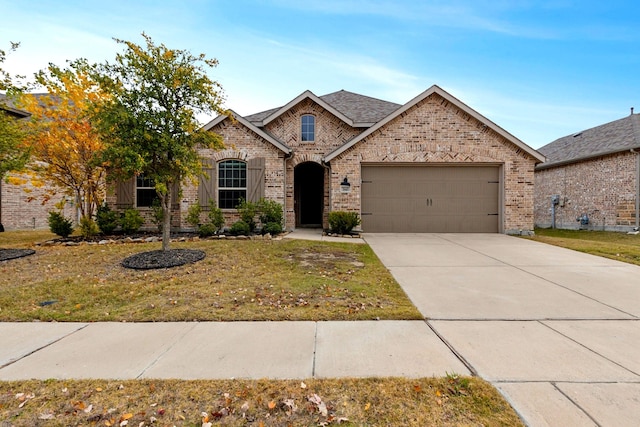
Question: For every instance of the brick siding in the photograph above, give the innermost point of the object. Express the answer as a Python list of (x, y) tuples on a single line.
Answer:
[(22, 206), (604, 188)]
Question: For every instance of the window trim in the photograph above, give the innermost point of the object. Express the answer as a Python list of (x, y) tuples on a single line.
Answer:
[(304, 131), (151, 188), (220, 188)]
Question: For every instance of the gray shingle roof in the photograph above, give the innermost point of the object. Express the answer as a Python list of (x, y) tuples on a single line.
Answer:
[(613, 137), (358, 108), (7, 105)]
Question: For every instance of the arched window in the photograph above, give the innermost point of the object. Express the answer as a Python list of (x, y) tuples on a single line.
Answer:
[(308, 128), (232, 183)]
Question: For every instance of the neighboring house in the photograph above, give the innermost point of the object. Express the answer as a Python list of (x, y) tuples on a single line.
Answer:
[(21, 196), (430, 165), (591, 179)]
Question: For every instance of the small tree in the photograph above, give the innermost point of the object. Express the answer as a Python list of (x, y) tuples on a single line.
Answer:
[(149, 123), (62, 138)]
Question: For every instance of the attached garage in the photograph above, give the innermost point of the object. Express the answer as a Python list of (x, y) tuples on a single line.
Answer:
[(431, 198)]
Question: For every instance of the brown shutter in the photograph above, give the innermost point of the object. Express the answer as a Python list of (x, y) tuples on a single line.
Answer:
[(124, 193), (207, 184), (255, 179), (175, 195)]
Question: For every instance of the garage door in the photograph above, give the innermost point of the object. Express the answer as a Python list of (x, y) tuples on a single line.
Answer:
[(430, 199)]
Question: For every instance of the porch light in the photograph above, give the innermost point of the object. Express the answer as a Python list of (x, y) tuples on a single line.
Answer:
[(345, 186)]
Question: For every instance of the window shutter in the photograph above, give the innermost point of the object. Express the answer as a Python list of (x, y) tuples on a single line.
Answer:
[(175, 195), (255, 179), (124, 193), (207, 184)]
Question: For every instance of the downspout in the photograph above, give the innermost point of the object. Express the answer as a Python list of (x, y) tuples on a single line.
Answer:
[(633, 150), (329, 178), (286, 157), (636, 132)]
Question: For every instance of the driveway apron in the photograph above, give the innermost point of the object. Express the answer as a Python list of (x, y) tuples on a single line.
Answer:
[(556, 331)]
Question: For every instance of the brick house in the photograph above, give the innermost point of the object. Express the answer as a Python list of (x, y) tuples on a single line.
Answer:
[(430, 165), (591, 179), (21, 205)]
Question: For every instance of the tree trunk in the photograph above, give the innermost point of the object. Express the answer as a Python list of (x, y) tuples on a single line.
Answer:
[(165, 201)]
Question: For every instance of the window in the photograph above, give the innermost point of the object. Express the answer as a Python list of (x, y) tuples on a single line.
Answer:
[(145, 191), (232, 183), (308, 128)]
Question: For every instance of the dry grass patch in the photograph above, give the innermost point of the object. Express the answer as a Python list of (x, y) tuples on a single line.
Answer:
[(238, 280), (619, 246), (450, 401)]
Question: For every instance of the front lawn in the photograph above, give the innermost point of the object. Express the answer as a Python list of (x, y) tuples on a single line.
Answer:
[(238, 280), (619, 246), (449, 401)]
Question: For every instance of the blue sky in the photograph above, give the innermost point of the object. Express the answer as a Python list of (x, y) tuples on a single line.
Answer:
[(539, 69)]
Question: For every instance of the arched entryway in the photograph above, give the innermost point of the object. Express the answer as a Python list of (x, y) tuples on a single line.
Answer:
[(308, 184)]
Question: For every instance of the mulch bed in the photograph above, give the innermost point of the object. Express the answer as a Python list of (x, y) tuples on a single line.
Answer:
[(7, 254), (162, 259)]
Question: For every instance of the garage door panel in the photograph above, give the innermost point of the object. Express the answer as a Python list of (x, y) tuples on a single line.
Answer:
[(430, 199)]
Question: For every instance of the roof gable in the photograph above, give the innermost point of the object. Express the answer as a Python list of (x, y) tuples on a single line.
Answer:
[(459, 104), (304, 95), (613, 137), (236, 117), (354, 109)]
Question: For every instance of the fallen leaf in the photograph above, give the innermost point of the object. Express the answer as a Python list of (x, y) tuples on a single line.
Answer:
[(417, 388), (303, 385), (271, 405), (98, 389), (127, 416), (322, 408), (46, 417), (367, 406), (88, 409)]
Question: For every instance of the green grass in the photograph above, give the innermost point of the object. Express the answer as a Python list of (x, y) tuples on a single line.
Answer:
[(449, 401), (619, 246), (238, 280)]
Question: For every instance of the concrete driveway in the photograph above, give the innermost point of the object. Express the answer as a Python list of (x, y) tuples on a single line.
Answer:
[(556, 331)]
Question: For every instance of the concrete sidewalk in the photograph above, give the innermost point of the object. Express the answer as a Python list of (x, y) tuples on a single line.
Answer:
[(556, 331), (221, 350)]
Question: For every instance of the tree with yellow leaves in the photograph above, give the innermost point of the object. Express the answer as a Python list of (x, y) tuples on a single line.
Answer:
[(65, 146)]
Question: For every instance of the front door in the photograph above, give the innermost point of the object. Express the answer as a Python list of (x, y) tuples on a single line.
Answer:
[(308, 187)]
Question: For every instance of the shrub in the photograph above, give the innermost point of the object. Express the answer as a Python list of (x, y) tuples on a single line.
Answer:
[(131, 221), (272, 228), (206, 230), (60, 225), (215, 215), (157, 216), (270, 211), (342, 222), (248, 211), (88, 227), (193, 215), (107, 219), (240, 227)]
